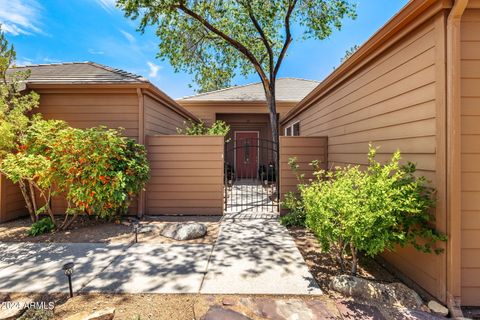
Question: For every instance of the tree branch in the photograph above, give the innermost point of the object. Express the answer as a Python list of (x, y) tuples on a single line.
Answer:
[(263, 37), (288, 37), (237, 45)]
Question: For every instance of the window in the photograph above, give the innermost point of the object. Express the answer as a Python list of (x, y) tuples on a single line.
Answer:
[(293, 129), (288, 131)]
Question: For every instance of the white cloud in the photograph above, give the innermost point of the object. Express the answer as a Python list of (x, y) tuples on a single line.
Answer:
[(20, 16), (93, 51), (154, 68), (108, 5), (128, 36)]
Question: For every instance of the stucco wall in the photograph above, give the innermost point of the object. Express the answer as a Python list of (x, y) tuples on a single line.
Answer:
[(470, 146), (395, 101)]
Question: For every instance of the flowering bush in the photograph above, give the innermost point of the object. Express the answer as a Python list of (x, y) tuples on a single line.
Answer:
[(97, 170)]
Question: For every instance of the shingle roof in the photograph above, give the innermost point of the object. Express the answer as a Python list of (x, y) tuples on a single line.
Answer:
[(287, 89), (78, 72)]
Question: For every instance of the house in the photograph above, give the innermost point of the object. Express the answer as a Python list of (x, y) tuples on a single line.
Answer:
[(87, 94), (415, 86), (244, 109)]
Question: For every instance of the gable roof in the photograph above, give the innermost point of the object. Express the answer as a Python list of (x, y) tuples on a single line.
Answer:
[(78, 73), (287, 89)]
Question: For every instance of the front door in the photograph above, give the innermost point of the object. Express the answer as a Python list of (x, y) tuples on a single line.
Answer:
[(246, 161)]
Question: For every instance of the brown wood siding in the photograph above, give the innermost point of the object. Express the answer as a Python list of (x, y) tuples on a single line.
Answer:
[(91, 109), (393, 102), (186, 175), (470, 157), (305, 150), (12, 204), (81, 109), (160, 119)]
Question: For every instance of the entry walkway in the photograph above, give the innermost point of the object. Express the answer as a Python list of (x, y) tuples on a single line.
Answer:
[(250, 195), (251, 256)]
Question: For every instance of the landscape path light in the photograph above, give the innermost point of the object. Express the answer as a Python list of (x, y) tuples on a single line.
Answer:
[(68, 270)]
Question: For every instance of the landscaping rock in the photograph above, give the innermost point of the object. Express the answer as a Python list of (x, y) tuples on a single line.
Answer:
[(14, 309), (184, 231), (219, 313), (437, 308), (145, 228), (4, 297), (104, 314), (228, 301), (374, 292), (79, 316)]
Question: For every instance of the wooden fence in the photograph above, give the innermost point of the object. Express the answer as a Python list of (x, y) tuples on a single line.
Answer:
[(186, 175), (305, 150)]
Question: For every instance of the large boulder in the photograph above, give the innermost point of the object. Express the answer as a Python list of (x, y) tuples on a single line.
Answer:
[(377, 293), (184, 231)]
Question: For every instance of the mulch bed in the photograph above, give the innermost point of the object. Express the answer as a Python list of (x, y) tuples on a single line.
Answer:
[(91, 230), (324, 266)]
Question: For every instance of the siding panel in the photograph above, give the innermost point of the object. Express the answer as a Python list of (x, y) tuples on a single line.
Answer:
[(391, 102), (186, 175), (470, 200)]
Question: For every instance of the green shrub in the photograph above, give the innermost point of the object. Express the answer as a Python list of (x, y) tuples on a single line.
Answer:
[(370, 210), (296, 212), (218, 128), (42, 226)]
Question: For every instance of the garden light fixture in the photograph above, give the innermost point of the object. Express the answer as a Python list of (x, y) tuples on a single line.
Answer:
[(68, 270)]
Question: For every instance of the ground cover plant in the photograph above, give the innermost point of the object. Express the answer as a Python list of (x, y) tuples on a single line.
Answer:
[(369, 211)]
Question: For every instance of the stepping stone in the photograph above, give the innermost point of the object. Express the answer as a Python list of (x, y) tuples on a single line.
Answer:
[(354, 310), (219, 313)]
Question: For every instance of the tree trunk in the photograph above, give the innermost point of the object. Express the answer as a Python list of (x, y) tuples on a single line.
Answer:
[(272, 109), (28, 202), (354, 259)]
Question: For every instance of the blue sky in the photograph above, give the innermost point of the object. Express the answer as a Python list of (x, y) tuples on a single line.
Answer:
[(50, 31)]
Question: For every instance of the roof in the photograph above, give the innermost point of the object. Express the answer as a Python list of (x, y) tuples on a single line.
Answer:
[(91, 73), (78, 72), (410, 16), (287, 89)]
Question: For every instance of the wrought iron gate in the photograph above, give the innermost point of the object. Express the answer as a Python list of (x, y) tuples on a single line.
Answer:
[(251, 175)]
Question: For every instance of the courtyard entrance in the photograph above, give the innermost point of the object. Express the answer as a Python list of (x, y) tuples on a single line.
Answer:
[(251, 175)]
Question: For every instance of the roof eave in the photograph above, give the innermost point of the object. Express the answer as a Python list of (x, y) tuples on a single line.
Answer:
[(394, 26)]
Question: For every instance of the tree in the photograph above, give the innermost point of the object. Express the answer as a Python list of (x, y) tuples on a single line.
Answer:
[(15, 107), (216, 39)]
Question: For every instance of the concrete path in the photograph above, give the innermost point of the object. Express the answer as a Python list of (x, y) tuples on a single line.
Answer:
[(251, 256), (257, 256)]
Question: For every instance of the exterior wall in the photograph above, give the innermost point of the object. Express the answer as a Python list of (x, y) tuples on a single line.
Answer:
[(159, 118), (207, 111), (85, 108), (396, 100), (12, 204), (470, 158), (305, 150), (186, 175)]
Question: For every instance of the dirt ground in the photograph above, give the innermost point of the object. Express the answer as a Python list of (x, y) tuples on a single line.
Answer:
[(86, 230), (323, 266), (153, 306)]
